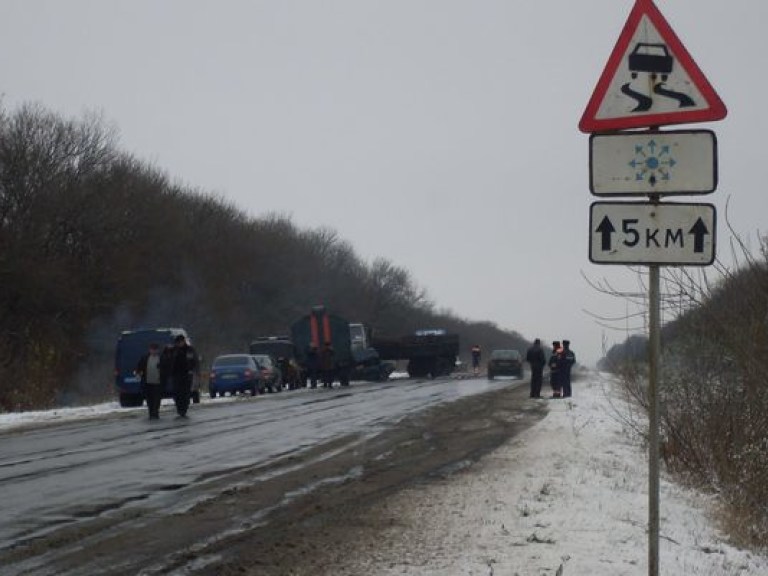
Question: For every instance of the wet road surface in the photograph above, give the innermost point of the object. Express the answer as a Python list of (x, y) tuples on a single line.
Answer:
[(88, 495)]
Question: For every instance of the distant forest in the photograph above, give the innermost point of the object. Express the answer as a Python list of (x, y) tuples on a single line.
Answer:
[(94, 241)]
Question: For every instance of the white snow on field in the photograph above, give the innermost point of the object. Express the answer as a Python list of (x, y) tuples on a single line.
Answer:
[(567, 498)]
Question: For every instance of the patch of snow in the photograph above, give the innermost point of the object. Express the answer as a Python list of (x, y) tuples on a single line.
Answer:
[(10, 420), (569, 496)]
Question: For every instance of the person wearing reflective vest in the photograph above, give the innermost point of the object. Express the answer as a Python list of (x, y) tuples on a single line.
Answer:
[(555, 369), (476, 359)]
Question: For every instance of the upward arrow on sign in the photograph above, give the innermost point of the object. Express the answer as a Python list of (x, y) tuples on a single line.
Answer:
[(606, 228), (650, 80), (699, 230)]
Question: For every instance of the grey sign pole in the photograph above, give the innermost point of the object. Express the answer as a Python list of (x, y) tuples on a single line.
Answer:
[(653, 441)]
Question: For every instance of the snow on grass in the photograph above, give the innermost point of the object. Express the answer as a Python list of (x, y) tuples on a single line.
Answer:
[(567, 497)]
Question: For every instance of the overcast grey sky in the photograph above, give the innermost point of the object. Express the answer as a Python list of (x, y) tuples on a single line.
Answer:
[(440, 134)]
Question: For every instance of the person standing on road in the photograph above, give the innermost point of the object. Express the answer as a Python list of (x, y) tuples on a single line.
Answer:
[(183, 370), (313, 365), (327, 365), (537, 360), (148, 370), (166, 369), (569, 359), (555, 370), (476, 359)]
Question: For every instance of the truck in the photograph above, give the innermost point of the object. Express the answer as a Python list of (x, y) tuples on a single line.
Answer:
[(323, 347), (329, 348), (429, 352)]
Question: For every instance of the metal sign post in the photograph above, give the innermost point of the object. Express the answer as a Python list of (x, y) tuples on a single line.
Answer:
[(653, 408), (651, 81)]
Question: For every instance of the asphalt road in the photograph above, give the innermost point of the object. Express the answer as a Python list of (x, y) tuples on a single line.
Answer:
[(122, 495)]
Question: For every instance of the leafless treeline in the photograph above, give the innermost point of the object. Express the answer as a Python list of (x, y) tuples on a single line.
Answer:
[(94, 241), (714, 387)]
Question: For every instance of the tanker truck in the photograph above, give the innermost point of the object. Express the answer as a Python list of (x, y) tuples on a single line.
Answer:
[(330, 348), (323, 347)]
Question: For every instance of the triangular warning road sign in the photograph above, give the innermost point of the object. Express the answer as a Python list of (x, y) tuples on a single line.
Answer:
[(650, 80)]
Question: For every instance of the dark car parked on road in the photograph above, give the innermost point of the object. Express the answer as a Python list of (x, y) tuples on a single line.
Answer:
[(235, 373), (505, 363), (270, 372)]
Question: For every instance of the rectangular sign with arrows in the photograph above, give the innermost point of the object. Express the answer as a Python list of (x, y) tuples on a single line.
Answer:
[(666, 163), (647, 233)]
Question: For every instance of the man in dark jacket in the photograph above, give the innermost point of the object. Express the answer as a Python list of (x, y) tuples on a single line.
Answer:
[(476, 359), (148, 370), (182, 371), (166, 369), (569, 359), (313, 365), (327, 365), (537, 360)]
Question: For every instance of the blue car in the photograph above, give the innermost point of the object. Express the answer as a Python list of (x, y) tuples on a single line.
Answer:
[(235, 373)]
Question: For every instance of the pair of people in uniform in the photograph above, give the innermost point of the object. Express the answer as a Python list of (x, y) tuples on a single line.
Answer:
[(560, 362)]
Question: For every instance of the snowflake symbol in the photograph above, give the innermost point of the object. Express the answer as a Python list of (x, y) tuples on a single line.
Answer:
[(650, 164)]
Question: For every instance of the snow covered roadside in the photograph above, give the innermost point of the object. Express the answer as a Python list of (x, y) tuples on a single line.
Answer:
[(11, 420), (568, 497)]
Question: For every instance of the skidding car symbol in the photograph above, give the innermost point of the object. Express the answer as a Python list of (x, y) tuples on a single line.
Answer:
[(652, 58)]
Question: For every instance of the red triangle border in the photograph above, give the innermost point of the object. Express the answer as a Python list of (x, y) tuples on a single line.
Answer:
[(716, 110)]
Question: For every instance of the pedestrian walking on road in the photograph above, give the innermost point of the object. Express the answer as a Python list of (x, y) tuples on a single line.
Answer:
[(148, 369), (537, 360), (476, 352), (569, 359), (327, 365), (555, 369), (183, 370)]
